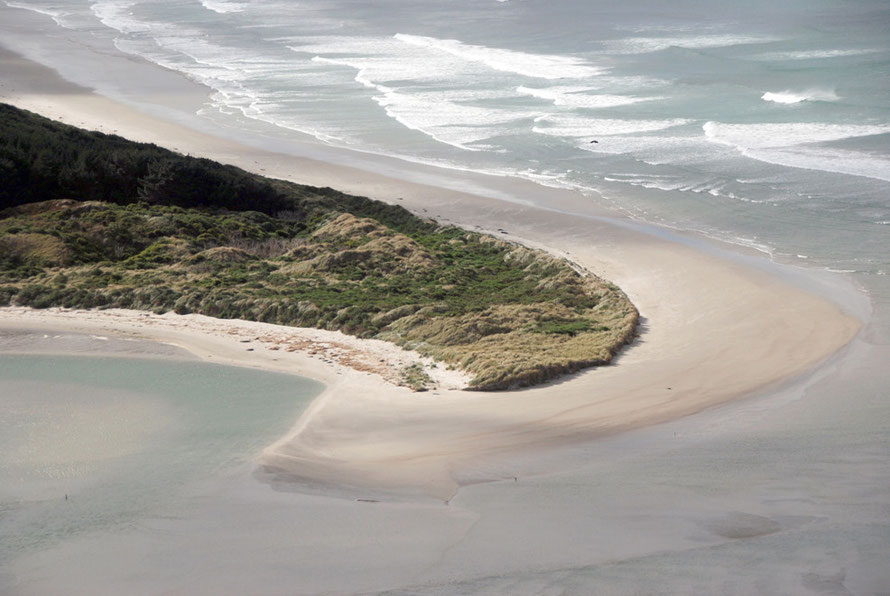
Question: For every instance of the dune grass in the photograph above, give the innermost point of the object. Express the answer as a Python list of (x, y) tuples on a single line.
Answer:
[(92, 221)]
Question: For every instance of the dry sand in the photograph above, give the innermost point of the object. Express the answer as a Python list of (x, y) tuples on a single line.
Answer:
[(714, 329)]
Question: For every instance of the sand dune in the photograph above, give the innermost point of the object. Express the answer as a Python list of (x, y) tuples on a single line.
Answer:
[(714, 329)]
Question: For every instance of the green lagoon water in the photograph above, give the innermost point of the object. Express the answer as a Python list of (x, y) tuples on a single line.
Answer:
[(99, 443)]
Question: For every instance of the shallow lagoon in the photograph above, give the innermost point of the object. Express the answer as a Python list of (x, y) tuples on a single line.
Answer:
[(93, 443)]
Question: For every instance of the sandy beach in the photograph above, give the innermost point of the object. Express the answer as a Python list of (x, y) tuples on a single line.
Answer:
[(719, 326), (713, 330)]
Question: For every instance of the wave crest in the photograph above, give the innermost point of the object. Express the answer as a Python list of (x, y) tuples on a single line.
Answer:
[(223, 7), (793, 97), (541, 66)]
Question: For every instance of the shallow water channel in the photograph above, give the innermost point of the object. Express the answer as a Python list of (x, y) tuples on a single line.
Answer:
[(92, 443)]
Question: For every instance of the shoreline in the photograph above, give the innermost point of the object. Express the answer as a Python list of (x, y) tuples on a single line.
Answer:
[(714, 329), (315, 353)]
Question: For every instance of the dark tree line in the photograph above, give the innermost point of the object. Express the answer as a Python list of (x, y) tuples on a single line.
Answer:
[(42, 160)]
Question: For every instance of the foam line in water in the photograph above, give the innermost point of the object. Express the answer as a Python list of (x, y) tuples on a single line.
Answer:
[(645, 45), (653, 149), (837, 161), (447, 116), (542, 66), (796, 145), (576, 97), (812, 54), (554, 94), (656, 182), (416, 83), (771, 135), (56, 14), (385, 60), (246, 82), (447, 122), (118, 15), (578, 127)]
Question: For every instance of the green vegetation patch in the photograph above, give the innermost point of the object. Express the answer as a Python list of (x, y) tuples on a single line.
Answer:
[(120, 224), (415, 377), (564, 326)]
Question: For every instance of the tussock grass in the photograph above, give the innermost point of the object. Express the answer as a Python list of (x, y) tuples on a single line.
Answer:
[(94, 221), (508, 315)]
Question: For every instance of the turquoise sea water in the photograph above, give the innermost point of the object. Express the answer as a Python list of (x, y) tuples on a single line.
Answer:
[(766, 124), (95, 443)]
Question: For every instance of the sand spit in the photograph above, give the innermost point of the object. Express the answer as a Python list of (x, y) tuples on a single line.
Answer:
[(310, 352), (712, 329)]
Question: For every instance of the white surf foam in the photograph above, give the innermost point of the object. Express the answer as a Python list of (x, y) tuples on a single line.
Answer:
[(577, 127), (554, 94), (577, 97), (118, 15), (247, 82), (793, 97), (796, 145), (446, 121), (812, 54), (645, 45), (711, 186), (386, 60), (771, 135), (655, 182), (449, 90), (61, 17), (542, 66), (436, 93), (839, 161), (223, 7), (660, 28), (446, 116)]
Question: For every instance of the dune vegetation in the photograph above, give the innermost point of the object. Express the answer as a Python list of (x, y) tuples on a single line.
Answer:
[(89, 220)]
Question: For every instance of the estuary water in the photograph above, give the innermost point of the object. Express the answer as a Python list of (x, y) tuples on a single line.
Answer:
[(94, 444)]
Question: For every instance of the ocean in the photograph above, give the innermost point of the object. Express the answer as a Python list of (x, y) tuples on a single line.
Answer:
[(766, 125)]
